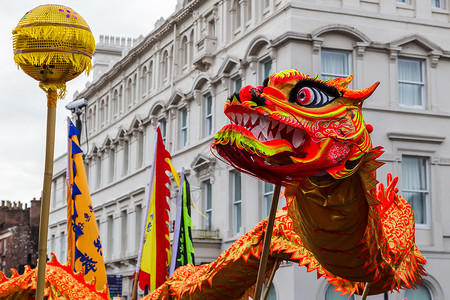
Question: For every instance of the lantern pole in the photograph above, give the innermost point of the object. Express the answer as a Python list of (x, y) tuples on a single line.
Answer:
[(47, 188)]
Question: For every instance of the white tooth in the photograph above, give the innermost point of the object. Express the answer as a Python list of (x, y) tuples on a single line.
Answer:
[(239, 119), (270, 135), (246, 117), (298, 138), (256, 131), (254, 118), (261, 137), (281, 126), (278, 135), (232, 116), (273, 124), (263, 123), (289, 129)]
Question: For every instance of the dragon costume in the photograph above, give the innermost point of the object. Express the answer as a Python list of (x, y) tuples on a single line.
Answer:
[(309, 136), (60, 283)]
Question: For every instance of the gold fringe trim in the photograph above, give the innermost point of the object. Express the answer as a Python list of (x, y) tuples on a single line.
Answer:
[(78, 62), (54, 35), (60, 88)]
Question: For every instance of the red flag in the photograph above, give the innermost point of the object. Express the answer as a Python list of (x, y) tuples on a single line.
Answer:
[(154, 256)]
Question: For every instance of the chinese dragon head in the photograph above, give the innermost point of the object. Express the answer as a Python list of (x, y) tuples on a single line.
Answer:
[(295, 126)]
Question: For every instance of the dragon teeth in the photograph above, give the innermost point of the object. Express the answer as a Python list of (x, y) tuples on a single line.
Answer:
[(239, 119), (254, 118), (289, 129), (232, 116), (263, 124), (298, 138), (246, 118)]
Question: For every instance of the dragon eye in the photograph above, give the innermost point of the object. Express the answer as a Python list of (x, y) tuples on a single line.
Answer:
[(305, 96), (313, 97)]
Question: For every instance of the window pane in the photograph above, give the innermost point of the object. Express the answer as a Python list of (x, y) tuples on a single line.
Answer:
[(437, 4), (410, 70), (208, 115), (267, 198), (237, 203), (267, 68), (417, 201), (415, 186), (183, 127), (334, 64), (237, 186), (410, 94), (237, 84), (414, 175), (208, 204), (410, 82), (238, 217), (421, 293)]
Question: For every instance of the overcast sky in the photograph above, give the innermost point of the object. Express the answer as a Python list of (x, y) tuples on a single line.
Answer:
[(23, 110)]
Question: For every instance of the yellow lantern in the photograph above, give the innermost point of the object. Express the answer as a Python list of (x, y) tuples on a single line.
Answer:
[(53, 44)]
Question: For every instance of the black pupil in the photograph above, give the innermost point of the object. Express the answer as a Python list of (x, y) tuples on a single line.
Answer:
[(302, 95)]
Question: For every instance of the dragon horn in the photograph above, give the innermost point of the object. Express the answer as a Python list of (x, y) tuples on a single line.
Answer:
[(360, 95)]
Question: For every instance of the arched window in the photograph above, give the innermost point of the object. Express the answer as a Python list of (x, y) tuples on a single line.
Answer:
[(106, 110), (236, 14), (332, 295), (191, 47), (129, 92), (421, 293), (165, 65), (134, 89), (120, 100), (115, 103), (94, 118), (143, 81), (184, 52), (150, 76), (102, 113)]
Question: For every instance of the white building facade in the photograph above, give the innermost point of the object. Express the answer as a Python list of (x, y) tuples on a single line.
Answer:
[(180, 74)]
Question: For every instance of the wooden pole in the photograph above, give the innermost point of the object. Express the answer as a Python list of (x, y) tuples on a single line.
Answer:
[(366, 290), (135, 286), (46, 191), (269, 282), (266, 246)]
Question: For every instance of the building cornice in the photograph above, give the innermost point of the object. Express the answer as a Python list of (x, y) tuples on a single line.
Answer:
[(145, 45)]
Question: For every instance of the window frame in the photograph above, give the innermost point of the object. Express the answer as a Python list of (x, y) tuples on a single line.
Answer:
[(183, 114), (427, 205), (237, 87), (441, 4), (264, 72), (207, 202), (236, 203), (422, 83), (208, 117)]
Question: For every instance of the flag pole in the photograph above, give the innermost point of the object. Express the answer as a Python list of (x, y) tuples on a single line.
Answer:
[(150, 191), (366, 290), (267, 239), (269, 282), (46, 192)]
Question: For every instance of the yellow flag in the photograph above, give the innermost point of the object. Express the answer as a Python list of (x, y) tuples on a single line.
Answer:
[(84, 245)]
